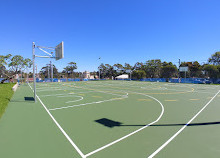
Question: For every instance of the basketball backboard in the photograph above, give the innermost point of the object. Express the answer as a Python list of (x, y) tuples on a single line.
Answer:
[(183, 69), (59, 51)]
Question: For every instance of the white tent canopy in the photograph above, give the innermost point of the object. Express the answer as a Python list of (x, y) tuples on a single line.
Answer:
[(124, 76)]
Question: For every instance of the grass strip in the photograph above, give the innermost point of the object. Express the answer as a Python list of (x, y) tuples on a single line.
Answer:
[(5, 96)]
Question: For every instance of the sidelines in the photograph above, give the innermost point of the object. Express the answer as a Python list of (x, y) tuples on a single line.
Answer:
[(130, 134), (61, 129), (178, 132)]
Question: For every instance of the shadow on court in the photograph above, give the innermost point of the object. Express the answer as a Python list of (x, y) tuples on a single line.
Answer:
[(110, 123), (26, 99)]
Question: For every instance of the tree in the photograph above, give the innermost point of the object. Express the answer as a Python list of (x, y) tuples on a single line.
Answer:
[(16, 63), (128, 67), (211, 70), (3, 59), (70, 68), (118, 66), (139, 66), (44, 72), (218, 67), (215, 58), (110, 71), (138, 74), (102, 70), (3, 62), (168, 70), (195, 69), (27, 63), (153, 68), (66, 71)]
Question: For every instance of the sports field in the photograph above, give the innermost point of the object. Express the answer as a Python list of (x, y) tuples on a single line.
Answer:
[(112, 119)]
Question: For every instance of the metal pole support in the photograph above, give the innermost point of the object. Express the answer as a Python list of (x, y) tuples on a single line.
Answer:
[(51, 70), (34, 77)]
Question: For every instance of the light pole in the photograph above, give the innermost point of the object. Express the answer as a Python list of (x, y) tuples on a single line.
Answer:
[(99, 72), (99, 69), (27, 75), (179, 70), (51, 71), (48, 71)]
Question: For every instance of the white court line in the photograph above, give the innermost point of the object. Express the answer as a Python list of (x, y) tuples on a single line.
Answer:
[(74, 93), (61, 129), (130, 134), (123, 96), (48, 87), (49, 90), (178, 132), (98, 102), (111, 93), (81, 98), (70, 95), (94, 90), (49, 95)]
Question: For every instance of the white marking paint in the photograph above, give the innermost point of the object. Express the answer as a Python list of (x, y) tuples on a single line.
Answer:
[(61, 129), (132, 133), (49, 90), (178, 132), (49, 95), (98, 102), (81, 98)]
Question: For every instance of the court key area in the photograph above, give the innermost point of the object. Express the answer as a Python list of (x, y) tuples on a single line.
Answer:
[(112, 119)]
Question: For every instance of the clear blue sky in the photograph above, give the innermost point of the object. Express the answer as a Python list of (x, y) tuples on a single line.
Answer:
[(118, 31)]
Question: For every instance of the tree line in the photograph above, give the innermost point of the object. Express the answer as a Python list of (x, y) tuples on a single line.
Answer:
[(68, 71), (12, 65), (157, 69)]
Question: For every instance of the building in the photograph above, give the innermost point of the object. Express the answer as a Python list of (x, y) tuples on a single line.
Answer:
[(122, 77), (87, 75)]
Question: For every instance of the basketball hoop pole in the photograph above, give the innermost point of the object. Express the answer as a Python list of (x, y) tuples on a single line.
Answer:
[(59, 55), (33, 53)]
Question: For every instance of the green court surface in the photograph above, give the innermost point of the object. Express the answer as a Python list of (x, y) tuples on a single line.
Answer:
[(112, 119)]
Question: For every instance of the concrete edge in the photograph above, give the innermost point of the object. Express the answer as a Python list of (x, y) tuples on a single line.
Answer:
[(14, 88)]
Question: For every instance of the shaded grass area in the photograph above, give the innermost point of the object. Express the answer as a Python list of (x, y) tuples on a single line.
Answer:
[(5, 96)]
